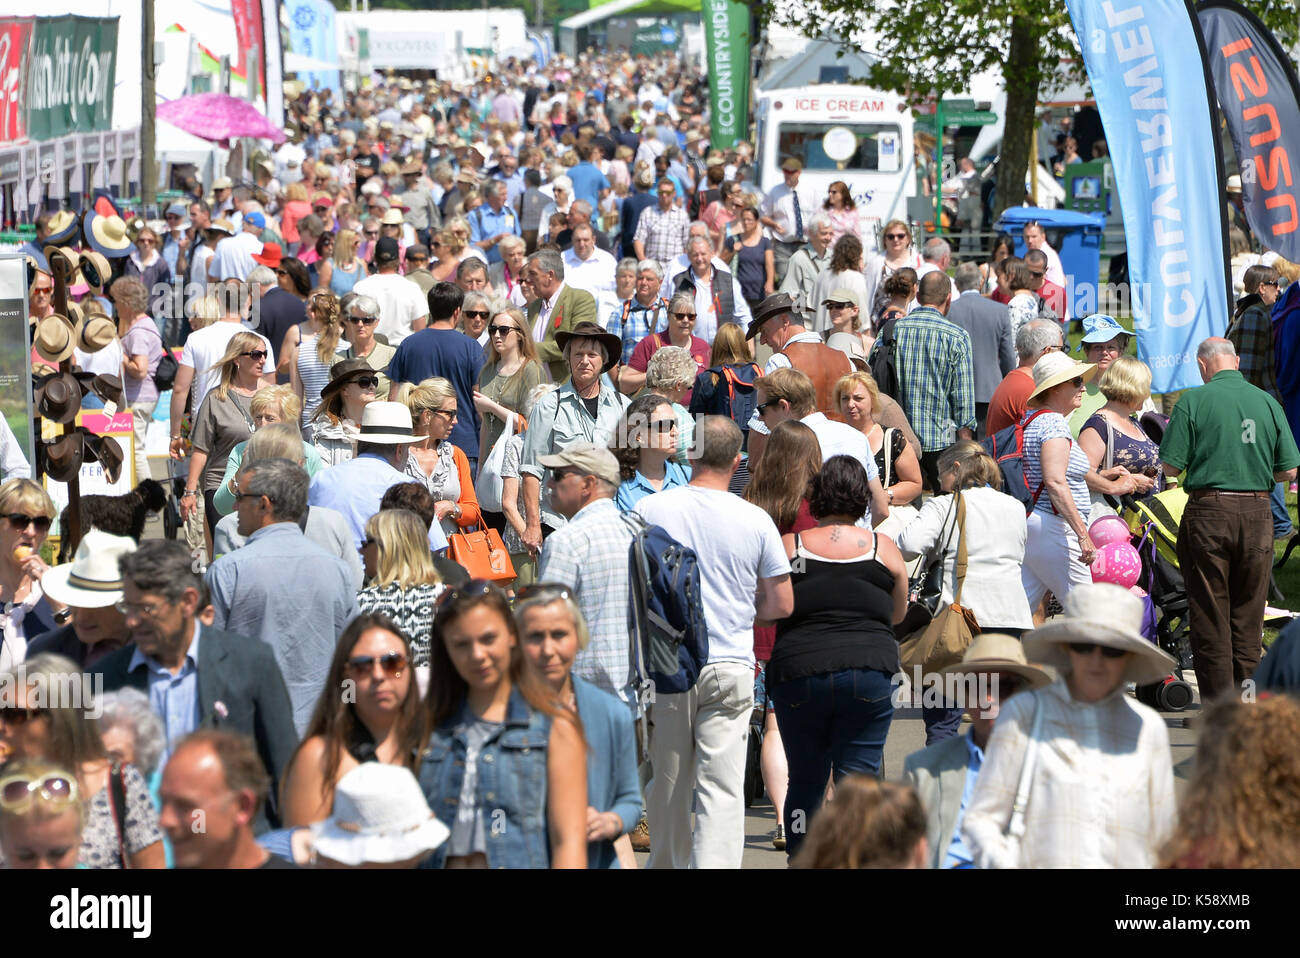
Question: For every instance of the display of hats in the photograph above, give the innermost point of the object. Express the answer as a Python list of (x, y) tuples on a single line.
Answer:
[(107, 388), (64, 229), (105, 451), (94, 330), (61, 458), (95, 270), (62, 257), (54, 338), (106, 234), (58, 397)]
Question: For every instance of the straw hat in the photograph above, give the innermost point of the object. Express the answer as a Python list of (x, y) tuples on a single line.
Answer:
[(380, 815), (1101, 614), (386, 422), (94, 330), (222, 226), (995, 652), (70, 259), (92, 579), (1056, 368), (107, 234), (54, 338), (391, 218), (95, 270), (64, 228)]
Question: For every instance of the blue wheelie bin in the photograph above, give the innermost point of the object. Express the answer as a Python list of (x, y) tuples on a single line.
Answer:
[(1076, 237)]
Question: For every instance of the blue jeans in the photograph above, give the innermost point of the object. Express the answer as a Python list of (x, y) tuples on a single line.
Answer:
[(1281, 518), (837, 721)]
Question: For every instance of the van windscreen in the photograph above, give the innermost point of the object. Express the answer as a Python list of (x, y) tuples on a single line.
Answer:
[(878, 146)]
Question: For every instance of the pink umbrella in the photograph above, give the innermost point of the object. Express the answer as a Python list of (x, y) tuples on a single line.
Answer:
[(219, 117)]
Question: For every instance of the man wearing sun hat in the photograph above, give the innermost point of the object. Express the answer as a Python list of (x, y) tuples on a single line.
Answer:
[(89, 586), (993, 669), (222, 201)]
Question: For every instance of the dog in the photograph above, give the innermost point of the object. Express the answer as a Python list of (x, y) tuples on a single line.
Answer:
[(123, 515)]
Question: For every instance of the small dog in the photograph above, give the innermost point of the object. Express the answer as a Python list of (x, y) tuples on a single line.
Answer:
[(117, 515)]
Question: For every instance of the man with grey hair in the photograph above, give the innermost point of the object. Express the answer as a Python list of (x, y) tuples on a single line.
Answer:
[(806, 264), (936, 254), (699, 744), (581, 214), (557, 308), (682, 262), (1034, 340), (282, 587), (993, 351), (645, 313), (718, 298), (493, 221)]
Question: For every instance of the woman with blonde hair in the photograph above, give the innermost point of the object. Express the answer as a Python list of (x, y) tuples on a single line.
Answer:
[(224, 419), (458, 227), (42, 815), (435, 462), (27, 511), (868, 824), (403, 582), (203, 312), (310, 353), (857, 397), (345, 268), (1123, 459), (271, 406), (446, 250)]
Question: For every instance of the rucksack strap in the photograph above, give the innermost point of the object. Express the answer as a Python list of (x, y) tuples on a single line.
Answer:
[(117, 803)]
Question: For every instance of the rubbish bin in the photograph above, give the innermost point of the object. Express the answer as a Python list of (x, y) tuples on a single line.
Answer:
[(1076, 237)]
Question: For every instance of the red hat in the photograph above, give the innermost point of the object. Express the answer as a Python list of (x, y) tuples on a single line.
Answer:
[(270, 256)]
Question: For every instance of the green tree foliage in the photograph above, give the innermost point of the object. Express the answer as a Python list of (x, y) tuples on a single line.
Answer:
[(929, 48)]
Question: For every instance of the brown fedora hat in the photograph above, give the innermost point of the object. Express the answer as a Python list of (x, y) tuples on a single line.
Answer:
[(775, 305), (58, 397), (63, 456), (106, 387), (106, 451), (342, 373), (612, 345)]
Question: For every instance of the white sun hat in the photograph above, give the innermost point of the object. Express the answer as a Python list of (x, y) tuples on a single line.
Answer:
[(92, 579), (380, 815)]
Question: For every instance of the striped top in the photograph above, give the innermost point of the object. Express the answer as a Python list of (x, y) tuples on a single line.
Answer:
[(313, 373)]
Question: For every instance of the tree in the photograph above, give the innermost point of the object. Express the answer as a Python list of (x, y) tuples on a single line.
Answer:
[(928, 49)]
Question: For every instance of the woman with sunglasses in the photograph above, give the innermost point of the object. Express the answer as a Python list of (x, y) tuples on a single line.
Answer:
[(311, 349), (26, 611), (843, 273), (898, 253), (360, 319), (340, 273), (42, 815), (842, 212), (337, 420), (505, 766), (645, 445), (292, 277), (680, 332), (369, 711), (446, 252), (146, 261), (553, 633), (1100, 788), (404, 581), (224, 419), (440, 466), (474, 313), (510, 373), (122, 824)]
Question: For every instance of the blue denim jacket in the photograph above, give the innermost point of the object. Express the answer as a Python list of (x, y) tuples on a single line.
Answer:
[(511, 785)]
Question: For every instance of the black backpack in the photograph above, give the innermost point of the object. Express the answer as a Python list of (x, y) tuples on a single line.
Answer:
[(883, 364), (727, 390), (164, 375)]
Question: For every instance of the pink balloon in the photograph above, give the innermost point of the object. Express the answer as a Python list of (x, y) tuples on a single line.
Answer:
[(1117, 563), (1108, 529)]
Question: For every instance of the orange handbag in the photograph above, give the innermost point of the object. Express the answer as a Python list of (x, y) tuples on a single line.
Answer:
[(483, 555)]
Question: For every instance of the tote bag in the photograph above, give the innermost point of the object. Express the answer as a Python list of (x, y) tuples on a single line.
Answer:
[(488, 484), (483, 555), (945, 640)]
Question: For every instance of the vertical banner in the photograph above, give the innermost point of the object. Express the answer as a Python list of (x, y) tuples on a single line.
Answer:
[(16, 355), (272, 89), (1154, 102), (14, 38), (726, 37), (248, 31), (1260, 100), (311, 34)]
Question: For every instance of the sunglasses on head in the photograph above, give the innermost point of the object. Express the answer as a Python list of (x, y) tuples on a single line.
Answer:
[(21, 521), (367, 382), (255, 354), (16, 791), (544, 590), (1085, 648), (476, 313), (393, 664), (470, 589)]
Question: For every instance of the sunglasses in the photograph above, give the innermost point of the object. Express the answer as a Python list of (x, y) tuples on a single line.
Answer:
[(374, 235), (663, 425), (281, 272), (367, 382), (684, 315), (766, 405), (838, 305), (1274, 283), (1036, 275), (13, 716), (363, 320), (393, 664), (16, 791), (435, 244), (451, 414), (20, 521), (895, 236), (258, 354), (470, 589), (47, 290), (495, 330), (476, 313), (1085, 648)]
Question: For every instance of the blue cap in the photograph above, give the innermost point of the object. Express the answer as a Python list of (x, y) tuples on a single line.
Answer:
[(258, 220), (1100, 328)]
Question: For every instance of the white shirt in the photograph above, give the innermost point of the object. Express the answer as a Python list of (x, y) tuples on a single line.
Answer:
[(204, 349), (105, 362), (678, 265), (706, 313), (841, 439), (730, 565), (594, 274), (779, 206), (400, 303), (13, 460), (233, 258)]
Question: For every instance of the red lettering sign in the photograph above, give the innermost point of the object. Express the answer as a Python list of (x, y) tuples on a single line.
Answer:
[(14, 37)]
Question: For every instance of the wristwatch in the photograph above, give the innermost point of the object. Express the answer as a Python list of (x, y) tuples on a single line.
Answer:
[(456, 511)]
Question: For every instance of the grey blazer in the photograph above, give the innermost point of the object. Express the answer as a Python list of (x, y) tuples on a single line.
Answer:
[(993, 344), (938, 773)]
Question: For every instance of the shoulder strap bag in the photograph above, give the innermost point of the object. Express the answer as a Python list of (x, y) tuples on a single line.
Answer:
[(945, 640), (1016, 823)]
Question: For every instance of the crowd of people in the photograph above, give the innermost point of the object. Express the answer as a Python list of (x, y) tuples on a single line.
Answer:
[(438, 366)]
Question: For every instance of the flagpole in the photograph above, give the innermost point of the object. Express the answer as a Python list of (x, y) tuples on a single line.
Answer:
[(148, 111)]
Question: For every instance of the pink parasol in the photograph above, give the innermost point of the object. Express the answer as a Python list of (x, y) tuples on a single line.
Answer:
[(219, 117)]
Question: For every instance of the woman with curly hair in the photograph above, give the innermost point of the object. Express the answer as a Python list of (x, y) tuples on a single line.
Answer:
[(311, 349), (1241, 808), (645, 444)]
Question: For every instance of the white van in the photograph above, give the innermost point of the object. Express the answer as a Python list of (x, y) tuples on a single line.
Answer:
[(840, 132)]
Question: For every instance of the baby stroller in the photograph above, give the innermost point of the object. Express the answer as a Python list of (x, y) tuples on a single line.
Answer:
[(1153, 522)]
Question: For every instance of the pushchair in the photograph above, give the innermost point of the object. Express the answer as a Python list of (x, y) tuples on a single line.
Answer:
[(1153, 522)]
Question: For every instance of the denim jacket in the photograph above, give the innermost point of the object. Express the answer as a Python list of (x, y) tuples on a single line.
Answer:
[(511, 788)]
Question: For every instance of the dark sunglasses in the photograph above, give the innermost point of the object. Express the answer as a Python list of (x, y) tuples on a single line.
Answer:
[(895, 236), (435, 244), (684, 315), (393, 664), (1274, 283), (766, 405), (470, 589), (663, 425), (476, 313), (281, 272), (255, 354), (20, 521), (12, 715), (367, 382), (1036, 275), (374, 235), (251, 495), (495, 330), (1085, 648), (838, 305), (363, 320)]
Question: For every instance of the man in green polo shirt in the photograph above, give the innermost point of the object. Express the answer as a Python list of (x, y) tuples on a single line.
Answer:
[(1231, 442)]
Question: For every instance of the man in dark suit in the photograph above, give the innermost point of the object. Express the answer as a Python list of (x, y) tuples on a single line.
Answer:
[(557, 308), (993, 343), (196, 676)]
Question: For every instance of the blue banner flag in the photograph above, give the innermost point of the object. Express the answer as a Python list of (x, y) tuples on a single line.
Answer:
[(312, 34), (1146, 61)]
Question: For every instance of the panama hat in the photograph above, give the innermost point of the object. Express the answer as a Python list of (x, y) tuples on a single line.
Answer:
[(106, 234), (58, 397), (54, 338), (94, 330), (380, 815), (1234, 184), (386, 422), (222, 226), (222, 183), (95, 270), (611, 344), (92, 579), (391, 218), (64, 228), (62, 457), (778, 304), (70, 259), (413, 168), (1101, 614), (995, 652), (1056, 368)]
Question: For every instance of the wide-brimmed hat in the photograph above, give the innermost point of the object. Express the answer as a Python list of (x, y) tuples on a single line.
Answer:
[(58, 397), (850, 344), (106, 234), (1056, 368), (69, 258), (54, 338), (380, 815), (611, 344), (995, 652), (413, 168), (222, 183), (94, 330), (391, 218), (61, 458), (1099, 613), (775, 305), (592, 458), (95, 270), (1100, 328), (92, 579), (386, 422), (64, 228), (342, 373), (1234, 184), (271, 255), (106, 451), (792, 164), (222, 226)]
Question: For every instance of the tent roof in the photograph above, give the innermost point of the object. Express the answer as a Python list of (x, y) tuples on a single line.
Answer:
[(604, 9)]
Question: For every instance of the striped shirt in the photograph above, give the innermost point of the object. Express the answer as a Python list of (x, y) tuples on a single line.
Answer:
[(936, 376)]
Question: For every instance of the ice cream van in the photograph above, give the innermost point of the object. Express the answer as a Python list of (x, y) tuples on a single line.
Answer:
[(840, 132)]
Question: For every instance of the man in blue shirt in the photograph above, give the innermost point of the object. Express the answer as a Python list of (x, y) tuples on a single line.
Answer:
[(993, 669), (492, 222), (442, 350), (588, 182)]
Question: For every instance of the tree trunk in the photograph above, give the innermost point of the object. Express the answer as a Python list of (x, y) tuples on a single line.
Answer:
[(1021, 74)]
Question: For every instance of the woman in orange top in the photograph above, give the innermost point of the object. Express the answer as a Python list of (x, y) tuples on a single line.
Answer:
[(435, 463)]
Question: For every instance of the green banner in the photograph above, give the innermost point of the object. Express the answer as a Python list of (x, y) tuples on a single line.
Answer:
[(70, 76), (726, 36)]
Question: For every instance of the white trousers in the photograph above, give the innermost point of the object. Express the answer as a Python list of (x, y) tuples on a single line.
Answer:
[(698, 751), (1051, 559)]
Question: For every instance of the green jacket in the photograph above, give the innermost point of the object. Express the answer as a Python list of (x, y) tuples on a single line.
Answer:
[(572, 306)]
